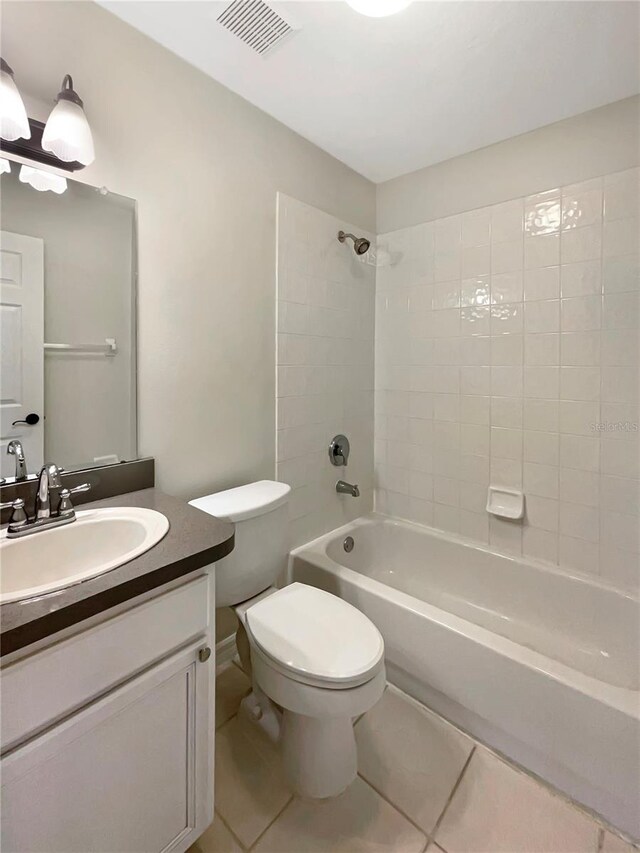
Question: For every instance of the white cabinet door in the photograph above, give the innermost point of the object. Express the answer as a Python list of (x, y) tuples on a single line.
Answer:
[(129, 774), (22, 339)]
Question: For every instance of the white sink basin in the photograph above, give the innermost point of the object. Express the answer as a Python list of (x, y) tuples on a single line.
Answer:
[(99, 540)]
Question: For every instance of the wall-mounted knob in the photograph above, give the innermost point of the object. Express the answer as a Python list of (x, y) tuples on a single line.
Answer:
[(339, 450)]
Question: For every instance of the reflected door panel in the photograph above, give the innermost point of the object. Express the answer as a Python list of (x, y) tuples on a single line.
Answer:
[(21, 346)]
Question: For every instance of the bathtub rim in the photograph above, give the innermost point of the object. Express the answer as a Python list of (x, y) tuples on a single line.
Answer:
[(624, 700)]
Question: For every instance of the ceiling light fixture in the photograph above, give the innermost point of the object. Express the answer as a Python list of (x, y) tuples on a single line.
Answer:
[(378, 8), (14, 123), (41, 180), (67, 134), (5, 166)]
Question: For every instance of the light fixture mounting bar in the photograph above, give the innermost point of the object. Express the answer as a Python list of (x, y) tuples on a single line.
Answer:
[(31, 149)]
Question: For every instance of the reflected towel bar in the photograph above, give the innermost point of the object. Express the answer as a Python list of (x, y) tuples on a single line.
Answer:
[(108, 348)]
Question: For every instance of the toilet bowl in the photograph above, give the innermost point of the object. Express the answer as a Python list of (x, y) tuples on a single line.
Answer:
[(315, 661)]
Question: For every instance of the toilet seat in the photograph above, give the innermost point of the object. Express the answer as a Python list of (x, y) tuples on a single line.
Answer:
[(315, 638)]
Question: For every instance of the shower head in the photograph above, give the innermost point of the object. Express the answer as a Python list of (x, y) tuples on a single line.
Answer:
[(360, 244)]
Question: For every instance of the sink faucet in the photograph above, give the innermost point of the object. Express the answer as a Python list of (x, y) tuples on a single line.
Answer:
[(15, 449), (49, 479), (343, 488), (45, 516)]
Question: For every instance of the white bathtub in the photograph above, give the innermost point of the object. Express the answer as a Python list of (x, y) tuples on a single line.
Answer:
[(542, 666)]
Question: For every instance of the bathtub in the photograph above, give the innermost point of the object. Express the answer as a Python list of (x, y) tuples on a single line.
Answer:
[(542, 666)]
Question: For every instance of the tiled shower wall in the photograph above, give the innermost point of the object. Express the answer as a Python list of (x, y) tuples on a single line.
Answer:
[(325, 356), (507, 353)]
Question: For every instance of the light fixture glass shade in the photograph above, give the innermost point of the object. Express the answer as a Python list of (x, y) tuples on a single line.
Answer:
[(14, 122), (378, 8), (67, 134), (41, 180), (5, 165)]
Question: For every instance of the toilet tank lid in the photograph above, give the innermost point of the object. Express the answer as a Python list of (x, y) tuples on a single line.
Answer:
[(244, 502)]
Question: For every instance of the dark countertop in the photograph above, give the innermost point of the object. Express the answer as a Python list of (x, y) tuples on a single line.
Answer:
[(194, 540)]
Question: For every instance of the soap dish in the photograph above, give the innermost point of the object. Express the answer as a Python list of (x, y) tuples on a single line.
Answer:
[(505, 503)]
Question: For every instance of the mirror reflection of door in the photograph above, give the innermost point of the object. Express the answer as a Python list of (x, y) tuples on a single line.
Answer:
[(21, 347)]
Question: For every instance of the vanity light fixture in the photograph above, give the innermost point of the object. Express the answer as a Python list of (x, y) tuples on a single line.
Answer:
[(5, 166), (67, 134), (378, 8), (14, 123), (41, 180)]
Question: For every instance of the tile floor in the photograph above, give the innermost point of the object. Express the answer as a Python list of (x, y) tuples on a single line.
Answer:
[(422, 785)]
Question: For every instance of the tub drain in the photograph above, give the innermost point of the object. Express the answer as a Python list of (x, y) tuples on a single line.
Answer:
[(348, 544)]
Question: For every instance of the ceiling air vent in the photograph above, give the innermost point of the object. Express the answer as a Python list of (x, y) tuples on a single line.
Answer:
[(256, 24)]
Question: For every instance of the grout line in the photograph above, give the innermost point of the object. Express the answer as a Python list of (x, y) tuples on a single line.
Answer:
[(266, 829), (216, 814), (597, 819), (432, 834), (395, 808)]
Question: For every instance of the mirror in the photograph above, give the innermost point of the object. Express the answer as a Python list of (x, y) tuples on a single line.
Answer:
[(67, 325)]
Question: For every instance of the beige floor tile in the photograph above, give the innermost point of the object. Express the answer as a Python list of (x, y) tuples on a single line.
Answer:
[(250, 786), (496, 809), (232, 685), (613, 844), (358, 820), (217, 839), (411, 756)]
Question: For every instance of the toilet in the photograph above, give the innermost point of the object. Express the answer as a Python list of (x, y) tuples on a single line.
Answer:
[(315, 661)]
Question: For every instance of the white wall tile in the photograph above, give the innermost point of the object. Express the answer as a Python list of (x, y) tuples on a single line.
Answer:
[(325, 369), (506, 412), (621, 237), (581, 313), (580, 348), (622, 195), (542, 316), (582, 487), (580, 522), (541, 251), (476, 227), (542, 214), (542, 283), (580, 279), (517, 349), (506, 257), (507, 220), (581, 244), (540, 480), (621, 273), (578, 554), (540, 544)]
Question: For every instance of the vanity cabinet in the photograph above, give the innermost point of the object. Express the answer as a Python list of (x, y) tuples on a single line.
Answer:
[(132, 768)]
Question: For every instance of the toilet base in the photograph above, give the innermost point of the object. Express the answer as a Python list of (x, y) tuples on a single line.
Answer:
[(319, 754), (261, 711)]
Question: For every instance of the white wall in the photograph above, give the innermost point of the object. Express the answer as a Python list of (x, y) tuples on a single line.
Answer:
[(325, 325), (89, 400), (204, 166), (593, 143), (505, 336)]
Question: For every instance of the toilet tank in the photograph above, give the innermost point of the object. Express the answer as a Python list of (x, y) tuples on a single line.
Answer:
[(260, 514)]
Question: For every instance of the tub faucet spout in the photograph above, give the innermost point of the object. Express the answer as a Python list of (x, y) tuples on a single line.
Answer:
[(343, 488)]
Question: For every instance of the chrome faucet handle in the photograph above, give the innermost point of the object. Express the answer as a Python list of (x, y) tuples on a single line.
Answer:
[(18, 516), (65, 507), (14, 447)]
